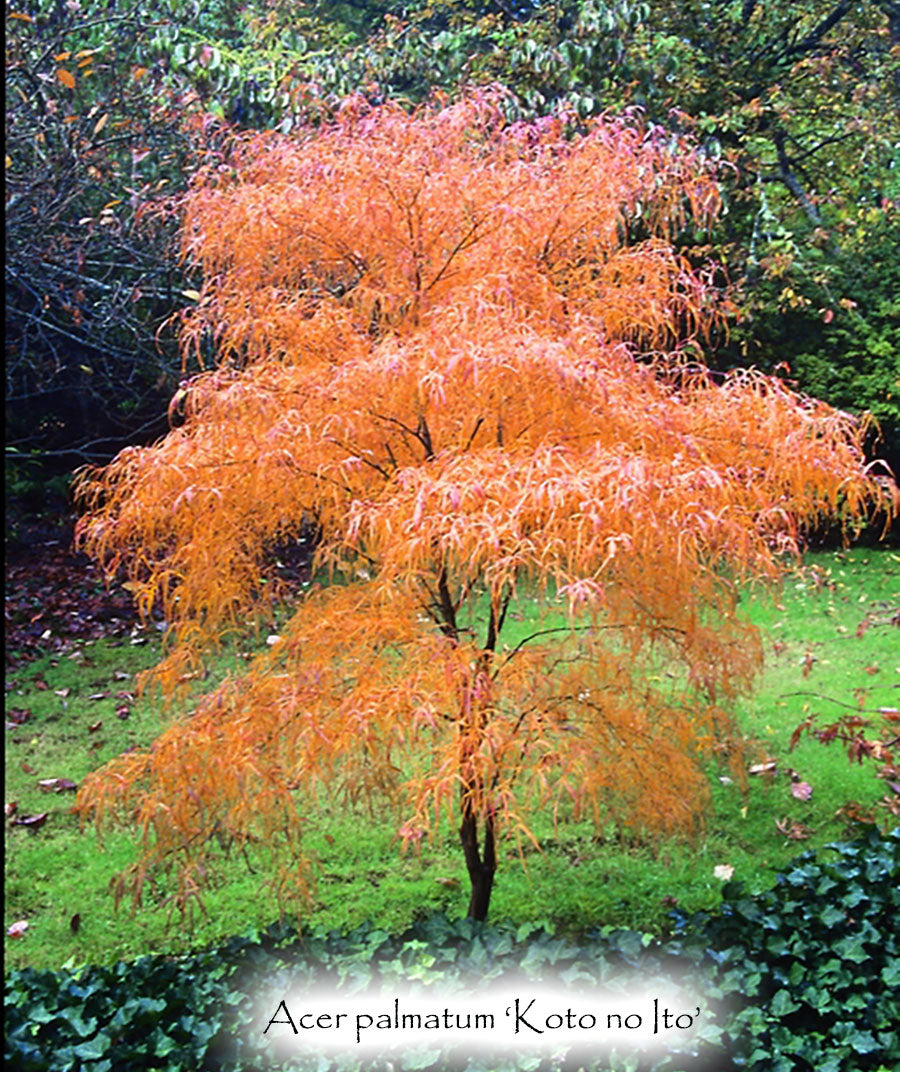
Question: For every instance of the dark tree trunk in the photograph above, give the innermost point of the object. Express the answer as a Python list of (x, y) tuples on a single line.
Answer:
[(481, 863)]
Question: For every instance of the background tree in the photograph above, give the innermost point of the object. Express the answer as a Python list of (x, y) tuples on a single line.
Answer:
[(793, 96), (90, 139), (436, 338)]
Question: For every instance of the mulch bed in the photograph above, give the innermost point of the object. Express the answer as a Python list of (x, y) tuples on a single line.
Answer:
[(55, 597)]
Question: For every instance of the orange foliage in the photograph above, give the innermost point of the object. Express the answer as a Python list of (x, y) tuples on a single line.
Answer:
[(467, 350)]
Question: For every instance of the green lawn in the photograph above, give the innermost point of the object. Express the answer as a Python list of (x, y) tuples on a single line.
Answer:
[(817, 659)]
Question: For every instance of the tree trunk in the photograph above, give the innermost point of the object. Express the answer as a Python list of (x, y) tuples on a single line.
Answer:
[(791, 181), (481, 865)]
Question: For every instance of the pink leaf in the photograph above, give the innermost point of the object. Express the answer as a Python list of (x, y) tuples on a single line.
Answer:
[(801, 790), (18, 929)]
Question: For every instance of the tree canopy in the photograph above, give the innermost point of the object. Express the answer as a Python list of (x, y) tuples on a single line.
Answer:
[(466, 350)]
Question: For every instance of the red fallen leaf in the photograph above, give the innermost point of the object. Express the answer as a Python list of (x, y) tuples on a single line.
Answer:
[(808, 661), (779, 646), (123, 711), (801, 790), (18, 715), (75, 923), (17, 929), (862, 627), (96, 726), (31, 821), (27, 769), (39, 683), (11, 806), (872, 669), (57, 785)]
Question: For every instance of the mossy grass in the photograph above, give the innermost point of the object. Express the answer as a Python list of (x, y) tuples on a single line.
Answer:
[(817, 659)]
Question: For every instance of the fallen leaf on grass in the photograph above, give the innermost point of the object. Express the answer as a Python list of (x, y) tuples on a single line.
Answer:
[(723, 871), (33, 822), (27, 769), (793, 831), (63, 692), (18, 715), (801, 790), (11, 806), (17, 929), (75, 923), (57, 785), (39, 683), (769, 767), (123, 711), (95, 726)]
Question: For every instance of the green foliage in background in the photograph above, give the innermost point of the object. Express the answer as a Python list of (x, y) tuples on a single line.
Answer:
[(801, 102)]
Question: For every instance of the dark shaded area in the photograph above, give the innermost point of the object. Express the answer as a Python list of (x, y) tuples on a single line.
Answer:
[(55, 597)]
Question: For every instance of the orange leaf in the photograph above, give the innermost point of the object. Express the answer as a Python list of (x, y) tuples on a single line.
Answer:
[(66, 77)]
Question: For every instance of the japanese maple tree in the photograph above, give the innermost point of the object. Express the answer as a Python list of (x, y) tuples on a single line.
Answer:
[(467, 353)]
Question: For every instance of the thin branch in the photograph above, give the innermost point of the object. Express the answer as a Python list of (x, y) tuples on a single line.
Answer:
[(839, 703)]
